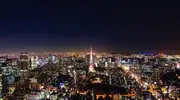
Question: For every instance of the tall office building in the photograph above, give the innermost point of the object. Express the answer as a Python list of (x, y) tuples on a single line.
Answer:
[(23, 64), (5, 84), (3, 60), (91, 67), (53, 58), (146, 59), (34, 62)]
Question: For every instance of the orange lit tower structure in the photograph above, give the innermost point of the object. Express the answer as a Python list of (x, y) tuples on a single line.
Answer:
[(91, 67)]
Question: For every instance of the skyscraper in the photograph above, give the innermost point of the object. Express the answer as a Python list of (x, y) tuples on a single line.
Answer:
[(34, 60), (23, 64), (91, 67)]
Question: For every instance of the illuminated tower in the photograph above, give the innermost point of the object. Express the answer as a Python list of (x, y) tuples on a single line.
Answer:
[(91, 67)]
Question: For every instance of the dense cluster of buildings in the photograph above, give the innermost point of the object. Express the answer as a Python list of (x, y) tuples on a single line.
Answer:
[(76, 76)]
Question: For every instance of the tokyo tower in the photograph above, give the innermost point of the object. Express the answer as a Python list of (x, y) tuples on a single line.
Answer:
[(91, 67)]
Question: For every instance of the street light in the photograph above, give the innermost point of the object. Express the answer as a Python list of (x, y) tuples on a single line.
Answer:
[(166, 87), (132, 75), (107, 74), (155, 83), (146, 84)]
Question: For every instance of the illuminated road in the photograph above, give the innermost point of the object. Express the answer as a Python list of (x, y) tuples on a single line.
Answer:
[(142, 83)]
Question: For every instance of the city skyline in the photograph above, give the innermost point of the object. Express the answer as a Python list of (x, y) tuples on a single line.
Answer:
[(89, 50)]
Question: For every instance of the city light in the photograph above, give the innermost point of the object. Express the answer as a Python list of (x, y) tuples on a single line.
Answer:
[(77, 74), (177, 65), (89, 50), (132, 75)]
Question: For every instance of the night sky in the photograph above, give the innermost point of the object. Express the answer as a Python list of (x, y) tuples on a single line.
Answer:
[(49, 25)]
